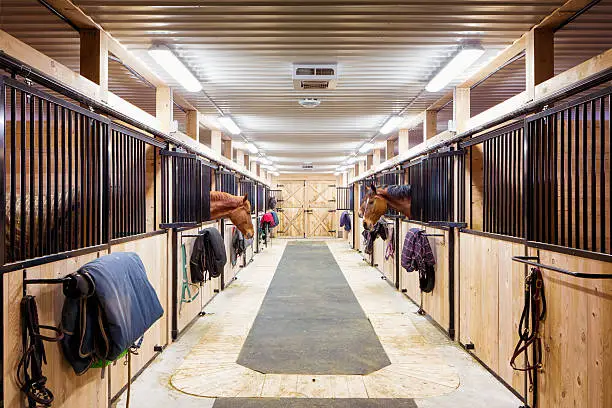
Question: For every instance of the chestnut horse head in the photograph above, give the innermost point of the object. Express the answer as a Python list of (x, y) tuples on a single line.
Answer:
[(236, 208), (378, 199)]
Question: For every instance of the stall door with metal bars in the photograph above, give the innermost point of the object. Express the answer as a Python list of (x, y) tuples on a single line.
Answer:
[(308, 209)]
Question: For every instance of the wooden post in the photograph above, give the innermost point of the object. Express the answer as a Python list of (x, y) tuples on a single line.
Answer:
[(369, 161), (163, 107), (94, 59), (430, 125), (461, 109), (258, 169), (362, 166), (539, 58), (390, 150), (247, 161), (356, 170), (376, 158), (193, 124), (215, 140), (239, 156), (403, 139), (227, 149)]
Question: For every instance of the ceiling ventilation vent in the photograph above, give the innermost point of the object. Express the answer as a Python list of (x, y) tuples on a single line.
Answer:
[(315, 76), (307, 166)]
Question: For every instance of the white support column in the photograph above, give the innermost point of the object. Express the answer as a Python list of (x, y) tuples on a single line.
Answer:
[(163, 107), (376, 158), (403, 139), (193, 124), (215, 141), (239, 156)]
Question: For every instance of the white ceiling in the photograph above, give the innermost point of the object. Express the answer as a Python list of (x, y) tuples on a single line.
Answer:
[(243, 51)]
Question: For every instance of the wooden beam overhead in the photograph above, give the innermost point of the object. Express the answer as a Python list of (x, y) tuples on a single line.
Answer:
[(94, 58), (73, 13)]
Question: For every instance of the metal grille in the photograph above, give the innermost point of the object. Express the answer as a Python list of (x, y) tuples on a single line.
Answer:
[(503, 167), (189, 187), (345, 198), (569, 174), (248, 187), (260, 198), (226, 182), (431, 181), (133, 186), (53, 174)]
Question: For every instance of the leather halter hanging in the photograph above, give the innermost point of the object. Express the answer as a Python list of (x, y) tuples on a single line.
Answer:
[(29, 371), (534, 312)]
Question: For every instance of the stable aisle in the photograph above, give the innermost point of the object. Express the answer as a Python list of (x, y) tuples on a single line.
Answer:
[(309, 324)]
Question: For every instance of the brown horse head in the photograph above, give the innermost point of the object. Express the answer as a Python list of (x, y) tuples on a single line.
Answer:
[(241, 218), (236, 208), (374, 206), (378, 200)]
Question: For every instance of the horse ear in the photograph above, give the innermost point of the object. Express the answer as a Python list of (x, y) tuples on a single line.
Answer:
[(245, 198), (373, 188)]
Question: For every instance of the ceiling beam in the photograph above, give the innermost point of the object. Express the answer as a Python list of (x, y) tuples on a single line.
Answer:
[(81, 20)]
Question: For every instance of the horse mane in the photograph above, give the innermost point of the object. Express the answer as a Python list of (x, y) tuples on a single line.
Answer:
[(399, 191)]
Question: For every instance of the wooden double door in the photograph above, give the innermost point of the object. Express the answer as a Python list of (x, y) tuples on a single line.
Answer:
[(308, 209)]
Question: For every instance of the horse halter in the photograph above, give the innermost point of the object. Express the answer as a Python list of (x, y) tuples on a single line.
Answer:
[(534, 311)]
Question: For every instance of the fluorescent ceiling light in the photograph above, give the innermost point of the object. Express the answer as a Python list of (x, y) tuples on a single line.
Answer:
[(391, 124), (466, 56), (229, 125), (276, 173), (265, 160), (352, 160), (166, 59), (366, 147), (251, 147)]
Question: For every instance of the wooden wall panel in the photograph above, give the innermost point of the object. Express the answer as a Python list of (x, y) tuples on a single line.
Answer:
[(189, 311), (576, 335), (152, 252), (230, 271), (70, 390), (491, 301)]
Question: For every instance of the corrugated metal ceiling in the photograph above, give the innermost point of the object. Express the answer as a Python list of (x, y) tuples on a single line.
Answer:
[(243, 50)]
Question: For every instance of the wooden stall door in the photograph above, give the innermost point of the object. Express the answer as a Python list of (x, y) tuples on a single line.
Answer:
[(321, 198), (291, 218)]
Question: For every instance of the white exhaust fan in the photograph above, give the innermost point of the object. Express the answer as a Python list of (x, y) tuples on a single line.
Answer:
[(315, 77), (307, 166)]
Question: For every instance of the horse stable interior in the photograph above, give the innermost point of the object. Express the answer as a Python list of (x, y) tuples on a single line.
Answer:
[(411, 203)]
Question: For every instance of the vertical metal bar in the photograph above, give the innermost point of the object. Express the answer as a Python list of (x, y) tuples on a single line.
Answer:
[(527, 186), (13, 177), (486, 186), (40, 246), (585, 179), (548, 179), (554, 180), (3, 249), (22, 181), (32, 233), (562, 177), (83, 204), (55, 237), (570, 185), (96, 191), (602, 175), (77, 185), (593, 177), (154, 150), (106, 191), (63, 189), (70, 212), (48, 246), (577, 177), (609, 115)]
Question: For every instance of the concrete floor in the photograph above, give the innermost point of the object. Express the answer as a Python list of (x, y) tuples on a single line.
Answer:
[(381, 303)]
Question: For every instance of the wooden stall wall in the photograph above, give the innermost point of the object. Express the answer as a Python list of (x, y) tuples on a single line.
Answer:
[(152, 251), (576, 334), (385, 266), (70, 390), (436, 303), (491, 301), (230, 270), (187, 312)]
